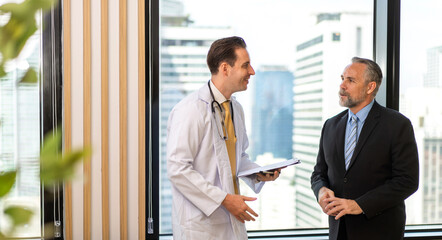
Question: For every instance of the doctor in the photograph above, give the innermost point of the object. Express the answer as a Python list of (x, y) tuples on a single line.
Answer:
[(206, 144)]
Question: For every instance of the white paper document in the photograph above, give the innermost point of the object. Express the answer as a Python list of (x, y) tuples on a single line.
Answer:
[(277, 165)]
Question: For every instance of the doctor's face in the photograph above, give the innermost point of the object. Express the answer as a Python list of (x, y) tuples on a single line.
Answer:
[(241, 71)]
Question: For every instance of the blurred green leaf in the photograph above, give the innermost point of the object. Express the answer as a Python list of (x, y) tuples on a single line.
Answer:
[(55, 165), (19, 215), (7, 180), (43, 4), (51, 144), (15, 34), (29, 77), (2, 71), (21, 25)]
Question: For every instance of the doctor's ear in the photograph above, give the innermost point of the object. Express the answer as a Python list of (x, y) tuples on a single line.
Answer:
[(224, 68)]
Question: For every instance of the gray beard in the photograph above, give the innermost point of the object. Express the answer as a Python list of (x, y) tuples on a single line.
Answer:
[(350, 102)]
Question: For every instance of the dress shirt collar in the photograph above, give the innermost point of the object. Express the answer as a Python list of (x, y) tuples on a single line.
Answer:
[(362, 114), (219, 97)]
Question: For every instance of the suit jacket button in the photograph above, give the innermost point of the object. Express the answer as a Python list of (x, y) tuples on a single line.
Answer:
[(345, 180)]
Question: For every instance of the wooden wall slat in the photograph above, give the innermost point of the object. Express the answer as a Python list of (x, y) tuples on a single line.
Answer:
[(67, 108), (105, 118), (87, 117), (141, 124), (123, 118)]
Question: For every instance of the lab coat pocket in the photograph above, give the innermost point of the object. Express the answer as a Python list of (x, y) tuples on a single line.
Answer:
[(219, 216), (195, 234), (215, 226)]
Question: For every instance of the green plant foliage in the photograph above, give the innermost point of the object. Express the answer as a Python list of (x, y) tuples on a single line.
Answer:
[(55, 165), (7, 180), (19, 215), (21, 25), (29, 77)]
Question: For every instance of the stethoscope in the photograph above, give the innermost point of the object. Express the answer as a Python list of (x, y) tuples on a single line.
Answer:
[(215, 104)]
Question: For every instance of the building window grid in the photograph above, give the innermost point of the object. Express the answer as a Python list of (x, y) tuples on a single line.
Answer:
[(309, 74), (314, 55)]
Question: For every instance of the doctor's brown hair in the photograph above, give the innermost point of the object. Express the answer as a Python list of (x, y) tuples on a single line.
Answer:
[(223, 50)]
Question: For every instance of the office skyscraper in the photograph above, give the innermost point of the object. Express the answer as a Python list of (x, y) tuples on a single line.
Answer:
[(431, 161), (272, 112), (320, 60), (422, 106), (433, 77)]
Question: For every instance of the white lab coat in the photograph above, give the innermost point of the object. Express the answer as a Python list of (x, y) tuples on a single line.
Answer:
[(199, 169)]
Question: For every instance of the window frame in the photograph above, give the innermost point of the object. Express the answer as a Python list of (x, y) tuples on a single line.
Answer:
[(51, 117), (152, 36)]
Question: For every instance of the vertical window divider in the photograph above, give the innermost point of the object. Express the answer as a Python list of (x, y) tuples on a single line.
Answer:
[(152, 124), (393, 53), (51, 114)]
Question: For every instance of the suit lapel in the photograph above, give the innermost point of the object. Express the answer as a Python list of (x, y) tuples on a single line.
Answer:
[(340, 140), (369, 125)]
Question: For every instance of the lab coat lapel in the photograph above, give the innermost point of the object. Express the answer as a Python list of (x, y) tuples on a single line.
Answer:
[(219, 146), (222, 158)]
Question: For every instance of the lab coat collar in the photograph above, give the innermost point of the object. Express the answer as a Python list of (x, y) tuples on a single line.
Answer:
[(219, 97)]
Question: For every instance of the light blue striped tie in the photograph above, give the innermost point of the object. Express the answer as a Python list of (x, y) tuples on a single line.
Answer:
[(351, 141)]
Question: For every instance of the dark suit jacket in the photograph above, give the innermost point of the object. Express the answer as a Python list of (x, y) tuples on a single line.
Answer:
[(383, 172)]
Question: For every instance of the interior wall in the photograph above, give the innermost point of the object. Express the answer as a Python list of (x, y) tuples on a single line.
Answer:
[(104, 109)]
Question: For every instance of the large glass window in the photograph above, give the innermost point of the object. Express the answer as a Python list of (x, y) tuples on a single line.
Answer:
[(298, 50), (27, 112), (20, 133), (420, 101)]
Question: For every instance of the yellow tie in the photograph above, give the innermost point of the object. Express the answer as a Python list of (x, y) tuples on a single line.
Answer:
[(230, 142)]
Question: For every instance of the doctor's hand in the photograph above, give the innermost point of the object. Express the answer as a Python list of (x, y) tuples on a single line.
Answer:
[(268, 176), (237, 206), (339, 207), (324, 196)]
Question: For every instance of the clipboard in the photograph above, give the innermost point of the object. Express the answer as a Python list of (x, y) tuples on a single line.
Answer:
[(281, 164)]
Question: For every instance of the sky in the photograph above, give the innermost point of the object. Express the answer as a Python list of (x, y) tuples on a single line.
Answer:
[(420, 30), (270, 27)]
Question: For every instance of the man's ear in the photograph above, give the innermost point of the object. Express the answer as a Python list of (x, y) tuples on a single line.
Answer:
[(224, 68), (371, 86)]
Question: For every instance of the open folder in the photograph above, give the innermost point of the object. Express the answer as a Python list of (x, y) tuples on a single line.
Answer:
[(277, 165)]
